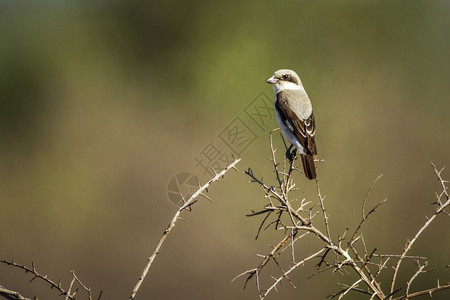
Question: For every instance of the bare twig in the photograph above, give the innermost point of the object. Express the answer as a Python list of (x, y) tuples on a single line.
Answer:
[(409, 244), (69, 295), (352, 287), (300, 263), (419, 271), (429, 292), (266, 259), (324, 211), (348, 288), (11, 295), (70, 289), (365, 216), (36, 274), (171, 225), (87, 289), (399, 255)]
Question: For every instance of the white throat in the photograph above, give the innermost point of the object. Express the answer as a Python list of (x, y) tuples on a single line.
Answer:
[(286, 85)]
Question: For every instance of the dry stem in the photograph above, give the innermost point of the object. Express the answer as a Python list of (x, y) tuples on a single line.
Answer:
[(172, 223), (441, 208), (36, 274), (11, 295), (58, 286)]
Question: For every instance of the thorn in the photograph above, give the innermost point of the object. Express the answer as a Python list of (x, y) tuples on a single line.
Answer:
[(209, 199)]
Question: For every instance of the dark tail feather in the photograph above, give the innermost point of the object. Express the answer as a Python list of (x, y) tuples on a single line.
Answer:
[(308, 166)]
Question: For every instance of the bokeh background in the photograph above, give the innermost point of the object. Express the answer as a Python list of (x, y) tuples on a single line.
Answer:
[(103, 102)]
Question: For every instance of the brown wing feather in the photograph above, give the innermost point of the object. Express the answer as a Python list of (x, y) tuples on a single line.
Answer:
[(304, 129)]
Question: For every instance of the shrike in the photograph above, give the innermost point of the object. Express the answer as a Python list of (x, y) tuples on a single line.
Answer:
[(294, 113)]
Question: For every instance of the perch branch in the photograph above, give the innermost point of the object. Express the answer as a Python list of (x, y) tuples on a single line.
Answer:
[(280, 195)]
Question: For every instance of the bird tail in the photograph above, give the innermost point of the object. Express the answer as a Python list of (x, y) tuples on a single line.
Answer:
[(308, 166)]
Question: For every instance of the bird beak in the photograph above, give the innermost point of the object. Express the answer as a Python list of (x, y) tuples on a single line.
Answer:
[(272, 80)]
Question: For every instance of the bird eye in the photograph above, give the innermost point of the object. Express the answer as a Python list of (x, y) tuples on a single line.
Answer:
[(286, 76)]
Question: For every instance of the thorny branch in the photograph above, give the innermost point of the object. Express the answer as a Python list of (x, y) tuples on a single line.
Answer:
[(11, 295), (53, 285), (365, 216), (187, 205), (443, 201), (36, 274), (366, 263)]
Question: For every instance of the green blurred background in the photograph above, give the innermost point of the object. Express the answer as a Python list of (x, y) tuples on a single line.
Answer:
[(102, 103)]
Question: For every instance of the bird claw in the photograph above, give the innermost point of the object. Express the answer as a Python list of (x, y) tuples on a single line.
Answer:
[(290, 155)]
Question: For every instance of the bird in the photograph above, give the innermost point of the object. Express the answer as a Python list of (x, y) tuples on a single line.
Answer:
[(294, 114)]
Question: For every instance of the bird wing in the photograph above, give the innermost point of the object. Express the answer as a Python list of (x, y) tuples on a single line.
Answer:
[(303, 129)]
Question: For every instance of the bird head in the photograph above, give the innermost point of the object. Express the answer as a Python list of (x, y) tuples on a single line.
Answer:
[(285, 79)]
